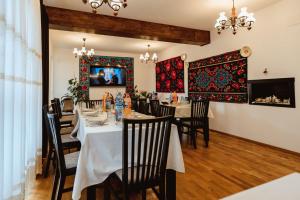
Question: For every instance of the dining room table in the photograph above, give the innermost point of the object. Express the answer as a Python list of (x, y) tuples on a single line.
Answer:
[(101, 152)]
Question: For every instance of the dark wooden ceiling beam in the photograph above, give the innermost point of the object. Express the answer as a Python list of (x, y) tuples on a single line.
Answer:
[(70, 20)]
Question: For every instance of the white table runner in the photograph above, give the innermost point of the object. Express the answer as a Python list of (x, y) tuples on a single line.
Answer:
[(101, 154)]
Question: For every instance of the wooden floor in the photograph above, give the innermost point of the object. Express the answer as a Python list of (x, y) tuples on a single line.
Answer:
[(228, 166)]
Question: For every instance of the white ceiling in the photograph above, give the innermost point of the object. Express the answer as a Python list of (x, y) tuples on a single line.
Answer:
[(70, 40), (200, 14)]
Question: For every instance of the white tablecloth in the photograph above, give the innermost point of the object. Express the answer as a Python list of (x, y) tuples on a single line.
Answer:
[(101, 154), (184, 110), (285, 188)]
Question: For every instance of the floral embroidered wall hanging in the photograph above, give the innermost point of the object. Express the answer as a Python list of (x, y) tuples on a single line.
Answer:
[(84, 70), (219, 78), (170, 75)]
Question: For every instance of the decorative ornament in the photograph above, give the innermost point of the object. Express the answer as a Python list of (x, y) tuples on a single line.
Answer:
[(244, 19), (183, 56), (115, 5), (145, 58), (83, 51), (246, 52)]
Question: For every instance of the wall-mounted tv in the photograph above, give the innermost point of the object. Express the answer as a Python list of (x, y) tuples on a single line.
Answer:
[(107, 76)]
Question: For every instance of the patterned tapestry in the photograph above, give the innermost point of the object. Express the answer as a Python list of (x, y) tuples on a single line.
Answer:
[(219, 78), (84, 70), (170, 75)]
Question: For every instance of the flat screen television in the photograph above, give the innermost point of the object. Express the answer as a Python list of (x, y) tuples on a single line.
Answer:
[(107, 76)]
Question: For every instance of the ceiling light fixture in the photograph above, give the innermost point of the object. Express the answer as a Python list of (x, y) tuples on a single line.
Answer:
[(145, 58), (83, 51), (244, 19), (115, 5)]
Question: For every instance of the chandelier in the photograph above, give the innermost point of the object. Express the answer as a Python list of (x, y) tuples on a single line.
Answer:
[(145, 58), (115, 5), (244, 19), (83, 51)]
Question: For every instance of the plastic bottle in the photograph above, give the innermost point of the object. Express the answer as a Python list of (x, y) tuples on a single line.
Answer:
[(119, 106)]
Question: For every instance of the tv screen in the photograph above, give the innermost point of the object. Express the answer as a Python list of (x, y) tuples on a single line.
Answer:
[(107, 76)]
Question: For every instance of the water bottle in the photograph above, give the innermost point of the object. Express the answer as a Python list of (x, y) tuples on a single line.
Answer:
[(119, 106)]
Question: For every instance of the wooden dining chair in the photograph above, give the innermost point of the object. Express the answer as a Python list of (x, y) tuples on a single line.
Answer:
[(145, 152), (154, 107), (67, 104), (65, 120), (166, 111), (66, 164), (93, 103), (67, 142), (143, 106), (198, 120), (59, 104)]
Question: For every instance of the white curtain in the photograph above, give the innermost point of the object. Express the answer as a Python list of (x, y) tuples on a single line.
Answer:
[(20, 96)]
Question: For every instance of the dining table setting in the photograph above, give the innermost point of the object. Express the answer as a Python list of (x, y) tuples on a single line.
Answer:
[(100, 134)]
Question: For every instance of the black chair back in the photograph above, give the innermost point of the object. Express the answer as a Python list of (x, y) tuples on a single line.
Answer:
[(166, 111), (48, 130), (67, 104), (143, 106), (154, 107), (199, 111), (92, 103), (55, 103), (145, 149), (54, 125)]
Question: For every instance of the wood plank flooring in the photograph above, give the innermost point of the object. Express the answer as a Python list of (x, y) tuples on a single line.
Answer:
[(228, 166)]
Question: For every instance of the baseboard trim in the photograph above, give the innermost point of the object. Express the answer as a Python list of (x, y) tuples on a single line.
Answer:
[(256, 142)]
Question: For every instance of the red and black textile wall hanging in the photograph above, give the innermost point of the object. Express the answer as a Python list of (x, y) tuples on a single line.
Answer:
[(219, 78), (170, 75)]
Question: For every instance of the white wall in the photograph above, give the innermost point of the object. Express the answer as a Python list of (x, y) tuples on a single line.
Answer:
[(65, 67), (275, 41)]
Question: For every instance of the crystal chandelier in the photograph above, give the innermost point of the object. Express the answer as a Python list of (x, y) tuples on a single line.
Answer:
[(244, 19), (115, 5), (83, 51), (145, 58)]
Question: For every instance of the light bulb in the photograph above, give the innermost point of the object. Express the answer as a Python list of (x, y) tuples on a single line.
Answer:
[(147, 55), (222, 18), (251, 18), (218, 25), (75, 51), (154, 57), (115, 4), (243, 13), (83, 49), (142, 57), (95, 3)]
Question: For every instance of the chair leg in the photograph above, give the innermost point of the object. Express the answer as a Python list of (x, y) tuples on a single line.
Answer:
[(144, 194), (125, 194), (179, 129), (106, 193), (194, 138), (61, 187), (162, 190), (55, 186), (47, 165), (206, 136)]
